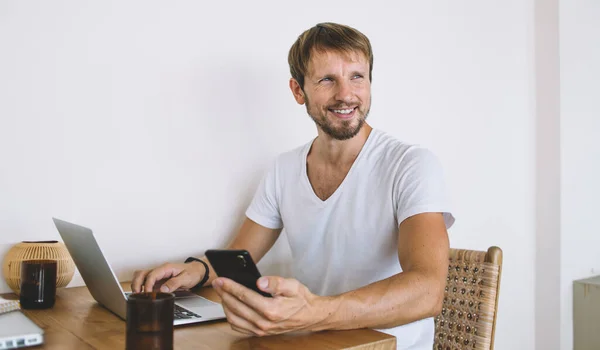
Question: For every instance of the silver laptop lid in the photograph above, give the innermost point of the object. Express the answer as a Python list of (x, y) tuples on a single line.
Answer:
[(93, 267)]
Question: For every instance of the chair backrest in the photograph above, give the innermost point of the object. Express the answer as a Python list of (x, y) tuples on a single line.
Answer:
[(468, 317)]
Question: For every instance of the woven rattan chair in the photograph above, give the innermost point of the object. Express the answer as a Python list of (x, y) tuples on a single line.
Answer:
[(468, 317)]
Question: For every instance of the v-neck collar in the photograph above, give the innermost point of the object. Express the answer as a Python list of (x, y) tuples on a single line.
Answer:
[(339, 189)]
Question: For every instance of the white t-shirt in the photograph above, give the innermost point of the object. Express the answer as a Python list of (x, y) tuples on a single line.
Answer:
[(351, 239)]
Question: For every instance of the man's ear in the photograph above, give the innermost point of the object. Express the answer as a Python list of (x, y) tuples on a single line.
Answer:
[(297, 91)]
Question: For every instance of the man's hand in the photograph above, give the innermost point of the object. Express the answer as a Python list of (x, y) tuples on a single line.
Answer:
[(168, 277), (293, 307)]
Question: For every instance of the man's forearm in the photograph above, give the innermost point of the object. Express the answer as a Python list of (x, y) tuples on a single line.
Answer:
[(394, 301)]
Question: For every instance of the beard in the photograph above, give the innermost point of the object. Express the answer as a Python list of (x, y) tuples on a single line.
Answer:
[(345, 131)]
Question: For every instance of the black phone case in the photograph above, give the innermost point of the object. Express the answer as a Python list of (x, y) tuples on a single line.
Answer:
[(236, 265)]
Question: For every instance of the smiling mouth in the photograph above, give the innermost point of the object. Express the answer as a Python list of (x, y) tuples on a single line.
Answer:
[(343, 113)]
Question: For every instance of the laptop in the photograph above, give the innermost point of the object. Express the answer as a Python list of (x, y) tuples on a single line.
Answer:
[(18, 331), (106, 289)]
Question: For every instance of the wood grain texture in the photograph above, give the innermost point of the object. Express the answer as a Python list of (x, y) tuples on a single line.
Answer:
[(77, 322)]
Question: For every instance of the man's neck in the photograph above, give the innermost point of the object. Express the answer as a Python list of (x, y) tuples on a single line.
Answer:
[(335, 152)]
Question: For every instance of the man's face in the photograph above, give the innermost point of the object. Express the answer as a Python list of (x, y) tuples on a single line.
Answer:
[(337, 92)]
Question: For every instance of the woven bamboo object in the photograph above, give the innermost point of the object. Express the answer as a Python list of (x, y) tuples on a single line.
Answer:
[(468, 317), (41, 250)]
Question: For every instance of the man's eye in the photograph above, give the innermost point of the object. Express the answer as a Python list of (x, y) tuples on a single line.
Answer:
[(357, 76), (326, 79)]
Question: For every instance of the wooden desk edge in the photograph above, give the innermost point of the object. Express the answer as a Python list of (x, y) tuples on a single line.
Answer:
[(65, 327)]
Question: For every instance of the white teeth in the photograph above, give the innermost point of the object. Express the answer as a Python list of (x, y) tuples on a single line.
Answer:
[(343, 111)]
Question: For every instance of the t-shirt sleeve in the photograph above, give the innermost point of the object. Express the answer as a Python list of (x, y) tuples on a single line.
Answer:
[(420, 186), (264, 208)]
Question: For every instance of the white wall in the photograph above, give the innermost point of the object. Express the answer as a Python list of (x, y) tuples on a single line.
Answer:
[(152, 123), (547, 179), (580, 150)]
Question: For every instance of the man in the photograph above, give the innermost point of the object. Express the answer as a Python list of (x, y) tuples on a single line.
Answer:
[(365, 215)]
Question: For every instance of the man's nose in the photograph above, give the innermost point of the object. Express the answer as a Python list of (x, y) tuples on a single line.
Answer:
[(344, 91)]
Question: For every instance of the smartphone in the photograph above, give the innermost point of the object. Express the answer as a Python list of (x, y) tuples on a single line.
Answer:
[(236, 265)]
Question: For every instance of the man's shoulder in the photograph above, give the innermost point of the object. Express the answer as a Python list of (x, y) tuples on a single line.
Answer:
[(389, 141), (396, 151)]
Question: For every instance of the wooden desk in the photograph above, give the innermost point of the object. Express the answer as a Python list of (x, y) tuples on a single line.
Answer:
[(77, 322)]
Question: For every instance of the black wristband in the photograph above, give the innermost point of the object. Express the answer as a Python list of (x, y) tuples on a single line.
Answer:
[(205, 278)]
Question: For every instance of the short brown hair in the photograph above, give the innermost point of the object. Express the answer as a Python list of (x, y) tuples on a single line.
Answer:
[(323, 37)]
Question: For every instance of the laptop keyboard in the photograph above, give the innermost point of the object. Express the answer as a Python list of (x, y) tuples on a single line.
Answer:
[(182, 314)]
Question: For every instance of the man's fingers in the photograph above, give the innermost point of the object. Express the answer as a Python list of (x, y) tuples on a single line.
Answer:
[(240, 324), (174, 283), (138, 279), (150, 281), (241, 330), (166, 278), (279, 286), (241, 309), (163, 272), (243, 294)]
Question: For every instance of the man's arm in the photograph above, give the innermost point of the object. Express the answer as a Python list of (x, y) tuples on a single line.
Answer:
[(414, 294), (256, 239)]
